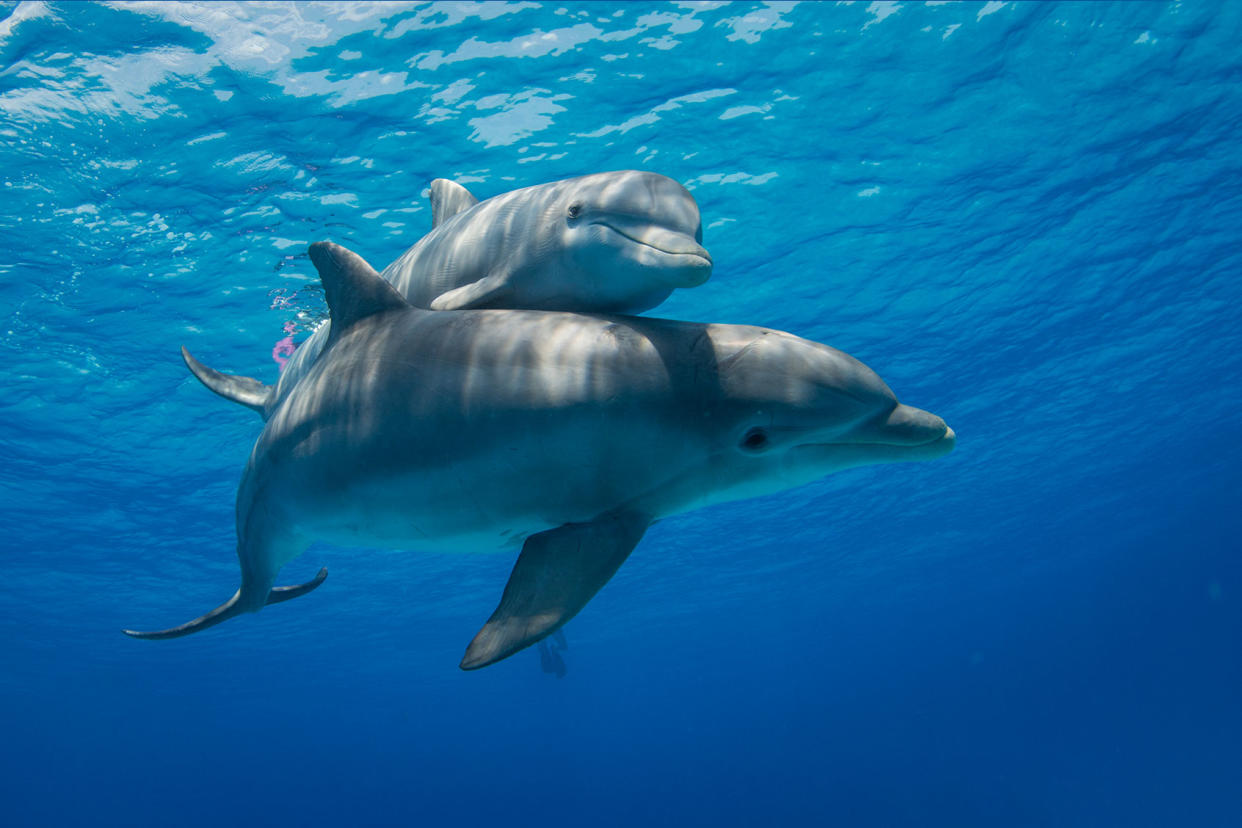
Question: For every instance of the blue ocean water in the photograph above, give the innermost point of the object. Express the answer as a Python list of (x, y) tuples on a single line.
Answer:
[(1024, 216)]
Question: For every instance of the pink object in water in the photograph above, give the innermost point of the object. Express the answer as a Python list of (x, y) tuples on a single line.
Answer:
[(284, 348), (280, 300)]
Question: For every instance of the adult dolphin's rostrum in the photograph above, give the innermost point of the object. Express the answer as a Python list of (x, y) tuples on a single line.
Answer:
[(613, 242), (566, 433)]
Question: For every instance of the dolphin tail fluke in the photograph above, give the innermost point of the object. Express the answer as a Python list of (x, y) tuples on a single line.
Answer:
[(233, 606), (249, 392), (558, 572), (221, 613), (288, 593)]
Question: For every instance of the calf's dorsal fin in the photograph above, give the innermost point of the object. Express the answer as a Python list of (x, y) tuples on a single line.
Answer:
[(448, 198), (351, 287)]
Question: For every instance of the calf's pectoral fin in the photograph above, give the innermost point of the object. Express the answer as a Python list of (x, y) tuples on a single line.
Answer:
[(489, 292), (233, 606), (558, 572)]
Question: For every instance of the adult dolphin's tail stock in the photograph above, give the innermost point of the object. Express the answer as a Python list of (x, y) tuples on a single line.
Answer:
[(233, 606), (353, 290)]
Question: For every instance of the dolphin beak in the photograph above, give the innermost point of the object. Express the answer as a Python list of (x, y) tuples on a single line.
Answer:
[(697, 265), (938, 447), (907, 434), (666, 241), (911, 433), (910, 426)]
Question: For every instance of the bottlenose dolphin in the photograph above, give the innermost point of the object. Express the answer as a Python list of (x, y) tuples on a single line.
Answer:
[(566, 433), (613, 242)]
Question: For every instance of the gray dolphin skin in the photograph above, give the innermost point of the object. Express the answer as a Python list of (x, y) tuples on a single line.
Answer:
[(612, 242), (567, 434)]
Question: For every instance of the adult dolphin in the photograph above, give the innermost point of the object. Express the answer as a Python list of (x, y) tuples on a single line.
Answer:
[(613, 242), (566, 433)]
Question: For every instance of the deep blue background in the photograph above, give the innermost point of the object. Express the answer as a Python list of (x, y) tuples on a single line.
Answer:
[(1025, 217)]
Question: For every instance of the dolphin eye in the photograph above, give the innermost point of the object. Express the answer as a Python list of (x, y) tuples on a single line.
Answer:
[(575, 210), (756, 439)]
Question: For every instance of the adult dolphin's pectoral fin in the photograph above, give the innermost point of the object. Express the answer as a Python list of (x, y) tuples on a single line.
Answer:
[(557, 573), (489, 292), (448, 198), (249, 392), (230, 608)]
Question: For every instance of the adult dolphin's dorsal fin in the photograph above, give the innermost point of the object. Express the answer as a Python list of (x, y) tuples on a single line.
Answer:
[(249, 392), (448, 198), (557, 573), (351, 287)]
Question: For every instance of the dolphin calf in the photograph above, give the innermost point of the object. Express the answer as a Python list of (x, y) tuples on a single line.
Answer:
[(565, 433), (613, 242)]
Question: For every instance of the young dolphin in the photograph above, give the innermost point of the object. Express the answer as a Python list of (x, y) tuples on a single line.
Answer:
[(566, 433), (613, 242)]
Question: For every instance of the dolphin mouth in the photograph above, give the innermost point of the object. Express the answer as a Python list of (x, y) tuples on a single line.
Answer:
[(906, 427), (879, 450), (948, 438), (664, 240), (935, 447)]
